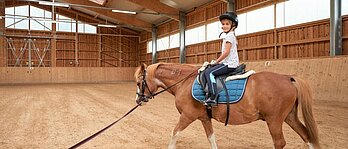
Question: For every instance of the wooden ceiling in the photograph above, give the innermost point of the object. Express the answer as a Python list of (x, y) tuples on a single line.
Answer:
[(149, 12)]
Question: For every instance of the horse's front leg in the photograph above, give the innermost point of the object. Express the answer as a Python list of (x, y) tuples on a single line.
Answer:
[(208, 127), (184, 121)]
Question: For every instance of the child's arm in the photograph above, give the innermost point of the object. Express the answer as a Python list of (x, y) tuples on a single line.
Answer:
[(226, 52)]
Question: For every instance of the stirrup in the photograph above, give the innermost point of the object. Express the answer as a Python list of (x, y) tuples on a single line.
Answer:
[(210, 102)]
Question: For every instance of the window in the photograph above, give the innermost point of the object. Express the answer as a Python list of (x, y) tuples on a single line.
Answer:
[(242, 24), (344, 10), (100, 2), (302, 11), (174, 40), (41, 19), (287, 13), (163, 43), (65, 24), (86, 28), (19, 18), (195, 35), (9, 19), (213, 30), (149, 47), (260, 19)]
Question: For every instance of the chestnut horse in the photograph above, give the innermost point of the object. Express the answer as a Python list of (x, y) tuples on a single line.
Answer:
[(270, 97)]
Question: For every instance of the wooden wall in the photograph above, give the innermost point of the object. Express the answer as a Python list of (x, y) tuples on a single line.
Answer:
[(110, 47), (13, 75), (328, 76), (144, 57), (118, 51), (305, 40), (106, 49), (248, 5), (298, 41)]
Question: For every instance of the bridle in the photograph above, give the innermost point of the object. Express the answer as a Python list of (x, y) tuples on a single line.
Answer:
[(144, 85), (141, 94)]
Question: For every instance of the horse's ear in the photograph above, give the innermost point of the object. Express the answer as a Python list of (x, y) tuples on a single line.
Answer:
[(143, 66)]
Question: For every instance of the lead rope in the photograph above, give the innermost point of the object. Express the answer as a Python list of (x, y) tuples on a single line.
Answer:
[(100, 131), (130, 111)]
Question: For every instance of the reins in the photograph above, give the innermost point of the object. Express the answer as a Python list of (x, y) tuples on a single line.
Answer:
[(145, 98), (174, 84), (131, 110)]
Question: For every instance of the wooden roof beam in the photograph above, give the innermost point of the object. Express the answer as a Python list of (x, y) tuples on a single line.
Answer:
[(127, 19), (159, 7)]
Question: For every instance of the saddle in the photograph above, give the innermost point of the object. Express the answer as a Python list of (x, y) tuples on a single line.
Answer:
[(220, 80)]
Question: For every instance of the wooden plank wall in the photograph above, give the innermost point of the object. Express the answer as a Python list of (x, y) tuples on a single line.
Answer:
[(327, 76), (144, 57), (19, 42), (88, 51), (81, 50), (248, 5), (14, 75), (66, 50), (118, 51), (76, 49), (305, 40), (345, 35)]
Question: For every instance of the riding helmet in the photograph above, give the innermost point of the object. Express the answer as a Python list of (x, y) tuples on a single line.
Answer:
[(230, 16)]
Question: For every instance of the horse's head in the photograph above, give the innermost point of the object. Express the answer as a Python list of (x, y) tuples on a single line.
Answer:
[(146, 86)]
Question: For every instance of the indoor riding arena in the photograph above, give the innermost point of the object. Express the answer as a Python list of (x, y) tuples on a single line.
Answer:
[(89, 74)]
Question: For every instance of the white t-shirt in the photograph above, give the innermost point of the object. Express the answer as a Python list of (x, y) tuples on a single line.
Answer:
[(232, 59)]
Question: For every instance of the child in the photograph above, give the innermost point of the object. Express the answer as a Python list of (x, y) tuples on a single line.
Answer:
[(228, 59)]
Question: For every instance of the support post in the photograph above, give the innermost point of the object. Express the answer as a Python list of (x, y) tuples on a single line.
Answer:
[(3, 49), (77, 63), (100, 48), (29, 51), (231, 5), (182, 27), (54, 40), (154, 44), (275, 34), (335, 28)]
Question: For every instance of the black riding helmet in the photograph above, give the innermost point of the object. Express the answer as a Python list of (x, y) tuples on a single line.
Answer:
[(230, 16)]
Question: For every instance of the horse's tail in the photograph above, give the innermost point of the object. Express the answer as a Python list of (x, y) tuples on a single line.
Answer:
[(304, 96)]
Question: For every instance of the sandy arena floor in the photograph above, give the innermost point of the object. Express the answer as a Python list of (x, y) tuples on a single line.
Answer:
[(60, 115)]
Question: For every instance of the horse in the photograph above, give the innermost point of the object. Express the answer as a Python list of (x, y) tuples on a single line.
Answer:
[(271, 97)]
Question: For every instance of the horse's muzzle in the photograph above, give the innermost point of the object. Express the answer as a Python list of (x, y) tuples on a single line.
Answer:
[(141, 99)]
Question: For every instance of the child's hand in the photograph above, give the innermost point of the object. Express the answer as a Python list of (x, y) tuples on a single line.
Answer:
[(212, 62)]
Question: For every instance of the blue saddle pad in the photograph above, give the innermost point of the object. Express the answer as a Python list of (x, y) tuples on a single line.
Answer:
[(235, 89)]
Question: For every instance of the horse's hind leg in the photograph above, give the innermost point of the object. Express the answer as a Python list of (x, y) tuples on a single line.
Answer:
[(208, 127), (275, 128), (184, 121), (293, 121)]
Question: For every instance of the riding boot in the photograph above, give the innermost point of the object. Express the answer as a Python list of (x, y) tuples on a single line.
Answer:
[(212, 100)]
